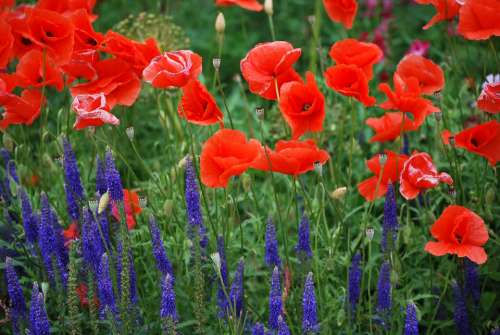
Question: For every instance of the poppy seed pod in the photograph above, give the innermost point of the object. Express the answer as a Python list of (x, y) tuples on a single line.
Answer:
[(338, 193), (268, 7), (246, 181), (130, 133), (220, 23)]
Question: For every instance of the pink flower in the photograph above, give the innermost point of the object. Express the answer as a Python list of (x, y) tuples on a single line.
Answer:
[(419, 48), (92, 111)]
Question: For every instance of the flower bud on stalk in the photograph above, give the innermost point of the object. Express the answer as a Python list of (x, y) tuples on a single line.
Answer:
[(268, 7), (220, 23)]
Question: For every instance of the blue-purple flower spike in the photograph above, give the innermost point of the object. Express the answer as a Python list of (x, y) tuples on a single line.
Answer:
[(11, 167), (193, 208), (390, 225), (105, 289), (411, 321), (271, 256), (384, 302), (72, 182), (304, 245), (113, 179), (275, 302), (101, 185), (354, 282), (168, 308), (30, 223), (18, 310), (472, 280), (222, 303), (46, 238), (236, 293), (92, 247), (460, 314), (309, 308), (258, 329), (39, 322), (162, 262), (283, 327)]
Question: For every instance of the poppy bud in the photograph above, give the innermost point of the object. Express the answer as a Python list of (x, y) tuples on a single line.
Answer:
[(268, 7), (438, 116), (311, 19), (130, 133), (8, 143), (318, 167), (216, 260), (216, 63), (490, 196), (452, 140), (103, 203), (143, 201), (260, 112), (237, 78), (370, 232), (220, 23), (382, 158), (338, 193), (246, 180), (45, 289), (168, 207), (452, 192)]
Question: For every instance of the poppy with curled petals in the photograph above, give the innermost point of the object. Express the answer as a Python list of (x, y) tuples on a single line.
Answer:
[(198, 106), (85, 35), (291, 157), (479, 19), (342, 11), (173, 69), (6, 44), (483, 140), (131, 206), (115, 79), (445, 10), (302, 106), (489, 100), (252, 5), (390, 126), (81, 66), (353, 52), (419, 174), (226, 154), (36, 70), (459, 231), (351, 81), (268, 66), (429, 75), (22, 109), (92, 111), (387, 171)]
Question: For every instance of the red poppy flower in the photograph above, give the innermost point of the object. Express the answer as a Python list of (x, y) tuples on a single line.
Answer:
[(6, 4), (445, 10), (419, 173), (389, 126), (430, 76), (6, 44), (489, 100), (302, 106), (478, 19), (116, 81), (22, 109), (131, 207), (353, 52), (291, 157), (226, 154), (138, 55), (173, 69), (198, 106), (85, 36), (483, 140), (36, 70), (82, 66), (342, 11), (252, 5), (269, 65), (70, 234), (92, 111), (389, 172), (351, 81), (459, 231)]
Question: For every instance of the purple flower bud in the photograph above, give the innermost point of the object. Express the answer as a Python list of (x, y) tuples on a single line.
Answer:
[(472, 280), (275, 302), (11, 168), (113, 179), (411, 321), (92, 247), (168, 308), (162, 262), (355, 274), (384, 302), (18, 310), (258, 329), (193, 207), (39, 322), (105, 289), (221, 296), (282, 327), (236, 294), (309, 308), (390, 226), (46, 238), (303, 245), (72, 182), (101, 185), (460, 314), (271, 257), (30, 223)]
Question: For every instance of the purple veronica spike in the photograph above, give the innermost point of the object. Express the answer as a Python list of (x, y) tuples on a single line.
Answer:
[(39, 322), (384, 289), (133, 280), (18, 309), (113, 180), (100, 178), (92, 247), (221, 296), (236, 293), (495, 331), (168, 308), (162, 261), (411, 321), (461, 316), (71, 204), (472, 280), (354, 282), (390, 226), (11, 166), (5, 157), (309, 308), (258, 329), (282, 327), (105, 288), (406, 145), (30, 223), (60, 252), (104, 224), (275, 302), (193, 208), (303, 245), (46, 239), (72, 183), (271, 257)]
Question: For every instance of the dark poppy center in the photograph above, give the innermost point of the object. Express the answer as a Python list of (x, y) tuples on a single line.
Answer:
[(49, 34), (91, 41), (306, 107), (25, 41), (474, 142)]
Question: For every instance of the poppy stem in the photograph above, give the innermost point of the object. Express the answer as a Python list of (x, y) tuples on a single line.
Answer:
[(271, 26), (224, 101)]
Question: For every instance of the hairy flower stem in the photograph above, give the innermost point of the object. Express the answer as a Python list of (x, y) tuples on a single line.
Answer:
[(224, 100), (92, 304), (168, 326), (72, 299), (199, 284), (125, 273), (315, 43)]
